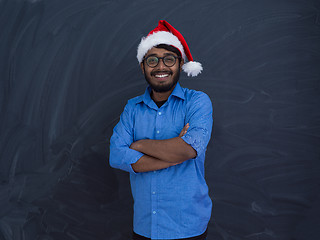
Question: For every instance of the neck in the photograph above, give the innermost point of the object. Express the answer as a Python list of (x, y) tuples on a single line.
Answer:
[(158, 97), (161, 96)]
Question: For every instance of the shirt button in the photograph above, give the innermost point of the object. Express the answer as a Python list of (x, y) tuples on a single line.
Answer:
[(158, 131), (154, 212), (154, 171), (159, 113), (153, 193)]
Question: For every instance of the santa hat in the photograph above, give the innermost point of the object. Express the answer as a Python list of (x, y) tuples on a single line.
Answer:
[(164, 33)]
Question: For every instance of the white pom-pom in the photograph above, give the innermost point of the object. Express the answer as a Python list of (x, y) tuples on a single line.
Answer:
[(192, 68)]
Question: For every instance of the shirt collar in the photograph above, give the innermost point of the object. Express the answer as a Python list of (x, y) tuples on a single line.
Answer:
[(178, 92)]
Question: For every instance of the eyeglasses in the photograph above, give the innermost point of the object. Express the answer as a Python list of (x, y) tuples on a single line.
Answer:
[(153, 61)]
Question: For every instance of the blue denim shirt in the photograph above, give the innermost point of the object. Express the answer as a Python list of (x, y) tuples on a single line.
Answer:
[(171, 203)]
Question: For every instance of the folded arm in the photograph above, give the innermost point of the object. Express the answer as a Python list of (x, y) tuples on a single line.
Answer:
[(163, 153), (173, 150), (147, 163)]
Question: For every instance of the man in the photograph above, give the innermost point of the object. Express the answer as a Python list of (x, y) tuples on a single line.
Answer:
[(161, 140)]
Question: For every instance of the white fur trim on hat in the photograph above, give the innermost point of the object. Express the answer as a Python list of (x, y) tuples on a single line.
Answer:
[(155, 39), (192, 68)]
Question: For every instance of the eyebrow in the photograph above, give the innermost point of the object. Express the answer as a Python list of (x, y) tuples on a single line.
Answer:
[(166, 54)]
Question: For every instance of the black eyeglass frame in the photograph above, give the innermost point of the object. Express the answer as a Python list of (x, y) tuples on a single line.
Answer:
[(162, 58)]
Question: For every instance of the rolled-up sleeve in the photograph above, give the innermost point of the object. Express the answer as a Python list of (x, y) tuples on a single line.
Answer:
[(200, 118), (121, 156)]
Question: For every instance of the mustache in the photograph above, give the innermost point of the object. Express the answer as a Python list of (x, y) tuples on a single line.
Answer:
[(161, 72)]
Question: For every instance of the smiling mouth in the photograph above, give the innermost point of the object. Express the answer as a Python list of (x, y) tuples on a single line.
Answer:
[(161, 74)]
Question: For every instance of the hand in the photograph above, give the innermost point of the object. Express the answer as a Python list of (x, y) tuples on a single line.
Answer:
[(184, 130)]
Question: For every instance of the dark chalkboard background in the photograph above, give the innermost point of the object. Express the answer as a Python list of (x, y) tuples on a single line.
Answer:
[(69, 66)]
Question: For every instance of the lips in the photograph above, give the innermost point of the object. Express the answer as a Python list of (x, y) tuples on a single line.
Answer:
[(161, 75)]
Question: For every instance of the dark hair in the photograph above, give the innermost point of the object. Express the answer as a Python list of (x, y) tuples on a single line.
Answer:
[(171, 49)]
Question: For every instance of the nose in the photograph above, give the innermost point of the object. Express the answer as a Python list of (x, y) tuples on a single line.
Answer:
[(161, 64)]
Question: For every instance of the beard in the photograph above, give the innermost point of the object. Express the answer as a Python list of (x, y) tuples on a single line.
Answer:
[(163, 87)]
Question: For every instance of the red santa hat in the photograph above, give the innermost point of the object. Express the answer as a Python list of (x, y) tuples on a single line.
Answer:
[(164, 33)]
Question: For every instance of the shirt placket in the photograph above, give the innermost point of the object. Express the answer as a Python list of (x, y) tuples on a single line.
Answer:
[(154, 181), (154, 206)]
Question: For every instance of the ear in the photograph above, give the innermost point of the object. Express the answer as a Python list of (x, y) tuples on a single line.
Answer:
[(181, 64), (142, 67)]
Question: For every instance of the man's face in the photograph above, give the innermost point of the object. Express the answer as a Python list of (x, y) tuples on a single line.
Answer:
[(161, 78)]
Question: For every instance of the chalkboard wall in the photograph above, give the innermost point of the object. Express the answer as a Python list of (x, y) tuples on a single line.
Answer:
[(67, 68)]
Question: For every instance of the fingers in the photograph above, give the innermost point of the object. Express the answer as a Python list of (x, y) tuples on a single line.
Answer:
[(184, 130)]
